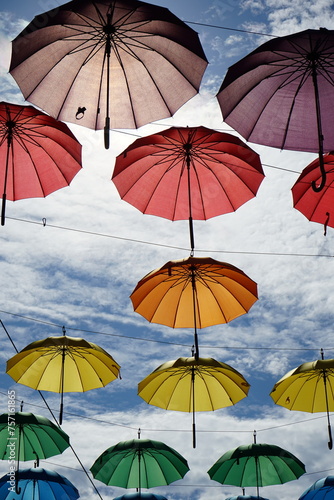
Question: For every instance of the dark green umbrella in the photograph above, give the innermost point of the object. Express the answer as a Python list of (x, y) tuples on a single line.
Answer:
[(256, 465), (139, 463), (25, 436)]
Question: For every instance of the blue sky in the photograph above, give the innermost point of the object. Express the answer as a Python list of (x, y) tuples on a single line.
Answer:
[(79, 270)]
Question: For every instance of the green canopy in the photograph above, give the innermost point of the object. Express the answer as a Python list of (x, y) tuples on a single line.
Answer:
[(139, 463), (25, 436), (256, 465)]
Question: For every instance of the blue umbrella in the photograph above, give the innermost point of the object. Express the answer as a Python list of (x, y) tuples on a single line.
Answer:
[(323, 489), (140, 496), (37, 484), (246, 497)]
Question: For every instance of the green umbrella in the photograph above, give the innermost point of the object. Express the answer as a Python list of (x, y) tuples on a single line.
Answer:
[(139, 463), (25, 436), (256, 465)]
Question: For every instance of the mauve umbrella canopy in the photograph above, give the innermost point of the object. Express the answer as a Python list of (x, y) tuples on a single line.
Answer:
[(112, 64), (269, 95)]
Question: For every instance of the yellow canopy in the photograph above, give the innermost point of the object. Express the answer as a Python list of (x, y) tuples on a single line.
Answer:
[(190, 384), (309, 387), (63, 364), (86, 365), (193, 384), (304, 388)]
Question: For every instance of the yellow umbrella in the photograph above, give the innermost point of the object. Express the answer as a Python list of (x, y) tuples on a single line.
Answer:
[(309, 388), (194, 292), (63, 364), (193, 384)]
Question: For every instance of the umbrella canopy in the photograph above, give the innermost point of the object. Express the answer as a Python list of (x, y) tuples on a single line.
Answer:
[(38, 154), (139, 463), (246, 497), (309, 387), (216, 291), (193, 384), (257, 464), (30, 436), (126, 63), (323, 489), (282, 93), (25, 436), (188, 384), (143, 495), (63, 364), (316, 206), (188, 173), (37, 484)]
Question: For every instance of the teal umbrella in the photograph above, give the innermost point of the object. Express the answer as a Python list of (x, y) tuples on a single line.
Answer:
[(38, 484), (257, 464), (139, 463)]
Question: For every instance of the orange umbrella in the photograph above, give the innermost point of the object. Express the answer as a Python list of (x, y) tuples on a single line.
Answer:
[(194, 292)]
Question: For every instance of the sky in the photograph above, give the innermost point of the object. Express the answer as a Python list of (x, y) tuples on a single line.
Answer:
[(79, 267)]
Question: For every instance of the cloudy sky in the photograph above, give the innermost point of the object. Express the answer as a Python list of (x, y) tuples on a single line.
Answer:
[(78, 269)]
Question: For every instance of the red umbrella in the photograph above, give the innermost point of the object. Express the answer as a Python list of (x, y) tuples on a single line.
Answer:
[(188, 173), (282, 94), (38, 154), (316, 206), (108, 64)]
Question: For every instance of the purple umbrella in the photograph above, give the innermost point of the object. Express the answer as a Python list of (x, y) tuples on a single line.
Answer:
[(282, 94)]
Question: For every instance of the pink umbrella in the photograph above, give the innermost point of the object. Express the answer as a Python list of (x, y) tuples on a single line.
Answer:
[(38, 154)]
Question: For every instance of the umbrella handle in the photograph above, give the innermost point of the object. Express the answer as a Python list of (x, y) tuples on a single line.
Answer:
[(194, 435), (107, 133), (330, 442), (17, 488), (61, 413), (3, 209), (316, 188)]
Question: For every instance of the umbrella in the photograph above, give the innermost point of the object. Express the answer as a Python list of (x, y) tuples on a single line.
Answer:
[(63, 364), (316, 206), (139, 463), (257, 464), (282, 93), (36, 484), (25, 436), (108, 64), (246, 497), (38, 154), (143, 496), (188, 173), (309, 387), (323, 489), (194, 293), (190, 385)]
